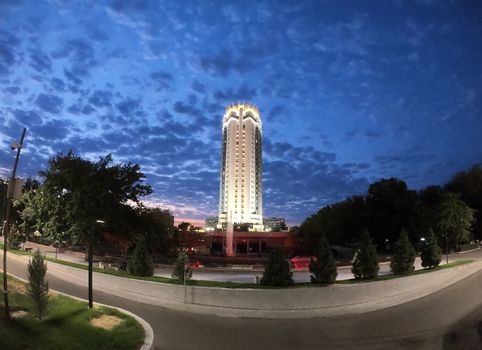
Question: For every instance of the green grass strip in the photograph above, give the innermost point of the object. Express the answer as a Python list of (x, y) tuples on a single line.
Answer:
[(66, 325)]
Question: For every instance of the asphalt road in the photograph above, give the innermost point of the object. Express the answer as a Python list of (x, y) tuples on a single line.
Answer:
[(447, 319)]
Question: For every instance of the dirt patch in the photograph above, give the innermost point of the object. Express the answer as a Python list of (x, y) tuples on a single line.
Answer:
[(19, 314), (106, 322), (17, 287)]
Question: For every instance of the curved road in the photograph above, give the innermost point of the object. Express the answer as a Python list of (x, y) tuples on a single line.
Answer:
[(450, 319)]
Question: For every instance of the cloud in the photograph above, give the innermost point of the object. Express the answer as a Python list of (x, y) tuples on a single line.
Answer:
[(8, 55), (49, 103), (162, 79), (129, 106), (40, 61), (101, 98)]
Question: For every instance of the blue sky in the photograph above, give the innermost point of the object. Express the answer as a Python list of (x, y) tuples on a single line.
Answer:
[(349, 92)]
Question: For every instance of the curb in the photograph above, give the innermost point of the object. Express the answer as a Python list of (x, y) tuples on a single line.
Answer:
[(468, 251), (149, 333)]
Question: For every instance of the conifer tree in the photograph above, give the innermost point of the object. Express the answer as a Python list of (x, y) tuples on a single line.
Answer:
[(403, 255), (38, 286), (430, 252), (365, 262), (277, 271), (323, 270), (140, 263), (181, 268)]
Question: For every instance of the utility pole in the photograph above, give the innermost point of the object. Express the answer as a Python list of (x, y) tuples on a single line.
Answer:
[(6, 227)]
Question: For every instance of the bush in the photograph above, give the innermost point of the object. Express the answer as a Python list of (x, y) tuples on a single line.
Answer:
[(365, 262), (323, 270), (15, 237), (38, 286), (140, 263), (430, 252), (277, 271), (181, 268), (403, 256), (468, 246)]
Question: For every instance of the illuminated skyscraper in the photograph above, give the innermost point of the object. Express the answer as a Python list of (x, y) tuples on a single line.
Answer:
[(240, 195)]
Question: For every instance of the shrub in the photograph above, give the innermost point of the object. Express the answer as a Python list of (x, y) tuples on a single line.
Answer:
[(277, 271), (15, 237), (323, 270), (140, 263), (38, 286), (430, 252), (365, 262), (181, 268), (403, 256)]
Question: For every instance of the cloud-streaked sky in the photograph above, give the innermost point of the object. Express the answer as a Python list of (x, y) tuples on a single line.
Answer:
[(349, 92)]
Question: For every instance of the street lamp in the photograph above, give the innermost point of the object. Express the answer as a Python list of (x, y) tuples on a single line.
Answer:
[(91, 258), (446, 247)]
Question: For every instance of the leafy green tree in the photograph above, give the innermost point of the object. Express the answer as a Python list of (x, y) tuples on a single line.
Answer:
[(323, 270), (469, 185), (403, 256), (140, 263), (390, 207), (339, 222), (38, 286), (181, 268), (455, 219), (76, 193), (365, 262), (277, 271), (430, 252)]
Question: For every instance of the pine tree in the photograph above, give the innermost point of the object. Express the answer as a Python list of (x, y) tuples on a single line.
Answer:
[(38, 286), (323, 270), (277, 271), (140, 263), (181, 268), (430, 252), (403, 255), (365, 262)]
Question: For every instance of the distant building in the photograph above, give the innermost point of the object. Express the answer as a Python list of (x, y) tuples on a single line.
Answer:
[(274, 224), (211, 223), (240, 195)]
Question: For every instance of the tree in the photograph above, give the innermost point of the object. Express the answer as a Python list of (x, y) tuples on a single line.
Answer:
[(38, 286), (85, 191), (339, 222), (390, 207), (430, 252), (469, 185), (182, 270), (15, 237), (323, 270), (365, 262), (455, 219), (403, 256), (277, 271), (140, 264)]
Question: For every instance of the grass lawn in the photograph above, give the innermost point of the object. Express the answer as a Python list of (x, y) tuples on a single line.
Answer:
[(202, 283), (66, 325)]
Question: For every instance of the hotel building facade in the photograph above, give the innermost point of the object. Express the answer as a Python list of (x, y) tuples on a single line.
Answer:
[(240, 194)]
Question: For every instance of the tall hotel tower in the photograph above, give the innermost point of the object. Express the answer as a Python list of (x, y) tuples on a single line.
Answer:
[(240, 195)]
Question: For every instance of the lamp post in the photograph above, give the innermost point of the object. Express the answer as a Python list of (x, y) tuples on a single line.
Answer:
[(91, 258), (6, 226), (446, 247)]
